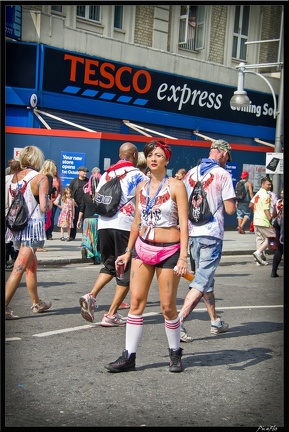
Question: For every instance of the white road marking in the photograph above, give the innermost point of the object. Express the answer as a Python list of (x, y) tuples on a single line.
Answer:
[(239, 307), (148, 314)]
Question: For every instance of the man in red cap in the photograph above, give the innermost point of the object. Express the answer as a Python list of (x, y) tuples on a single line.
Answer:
[(243, 211)]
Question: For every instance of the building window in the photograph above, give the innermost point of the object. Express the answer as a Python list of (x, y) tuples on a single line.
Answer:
[(240, 35), (56, 8), (192, 27), (88, 12), (118, 17)]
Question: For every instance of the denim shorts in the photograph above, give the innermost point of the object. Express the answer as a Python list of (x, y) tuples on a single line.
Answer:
[(34, 244), (206, 252), (243, 210)]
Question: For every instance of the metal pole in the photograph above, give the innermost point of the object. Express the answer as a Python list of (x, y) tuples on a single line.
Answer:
[(278, 178)]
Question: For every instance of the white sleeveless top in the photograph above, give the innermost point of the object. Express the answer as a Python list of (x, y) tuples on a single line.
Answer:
[(164, 212), (35, 229)]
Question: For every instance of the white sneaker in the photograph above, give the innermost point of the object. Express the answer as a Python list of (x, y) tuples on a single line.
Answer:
[(9, 315), (220, 327), (115, 320), (258, 258), (41, 306), (87, 303), (184, 335)]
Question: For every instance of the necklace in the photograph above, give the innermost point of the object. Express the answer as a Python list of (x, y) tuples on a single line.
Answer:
[(149, 204)]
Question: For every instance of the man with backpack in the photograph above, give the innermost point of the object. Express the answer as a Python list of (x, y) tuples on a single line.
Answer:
[(206, 233), (244, 194), (113, 232)]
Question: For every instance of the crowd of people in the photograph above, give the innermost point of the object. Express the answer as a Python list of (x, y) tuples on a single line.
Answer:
[(150, 234)]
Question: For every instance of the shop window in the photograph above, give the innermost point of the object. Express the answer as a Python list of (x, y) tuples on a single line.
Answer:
[(91, 13), (240, 34), (118, 17), (192, 27)]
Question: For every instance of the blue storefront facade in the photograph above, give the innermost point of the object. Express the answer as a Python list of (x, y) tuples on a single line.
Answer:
[(99, 94), (95, 87)]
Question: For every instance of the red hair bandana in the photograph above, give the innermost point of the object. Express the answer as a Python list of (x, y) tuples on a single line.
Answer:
[(165, 148)]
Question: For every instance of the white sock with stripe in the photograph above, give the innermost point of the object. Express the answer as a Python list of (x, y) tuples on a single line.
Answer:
[(134, 327), (173, 332)]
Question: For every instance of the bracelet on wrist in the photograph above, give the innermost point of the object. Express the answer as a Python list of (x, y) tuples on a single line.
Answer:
[(128, 250), (183, 259)]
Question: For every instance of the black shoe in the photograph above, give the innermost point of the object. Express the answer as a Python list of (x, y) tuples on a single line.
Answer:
[(175, 360), (96, 261), (71, 238), (123, 363), (274, 275)]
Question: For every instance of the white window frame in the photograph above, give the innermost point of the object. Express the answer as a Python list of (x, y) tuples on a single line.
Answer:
[(239, 36), (255, 29), (196, 43), (122, 15), (87, 13)]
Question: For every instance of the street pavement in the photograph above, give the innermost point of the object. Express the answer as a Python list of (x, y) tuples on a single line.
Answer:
[(54, 361), (63, 252)]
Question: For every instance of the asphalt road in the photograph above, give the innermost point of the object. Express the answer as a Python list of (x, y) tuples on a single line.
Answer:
[(54, 362)]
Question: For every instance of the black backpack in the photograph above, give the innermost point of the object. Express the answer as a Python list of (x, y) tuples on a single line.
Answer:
[(108, 197), (240, 190), (18, 214), (199, 209)]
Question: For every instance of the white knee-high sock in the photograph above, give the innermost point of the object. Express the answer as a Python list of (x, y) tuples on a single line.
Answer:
[(173, 332), (134, 326)]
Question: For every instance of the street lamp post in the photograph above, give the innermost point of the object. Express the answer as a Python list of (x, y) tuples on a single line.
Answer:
[(240, 99)]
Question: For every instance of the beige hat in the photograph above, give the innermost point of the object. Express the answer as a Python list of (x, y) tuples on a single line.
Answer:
[(222, 145)]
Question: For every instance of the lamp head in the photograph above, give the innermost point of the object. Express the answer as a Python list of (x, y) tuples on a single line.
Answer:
[(240, 99)]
